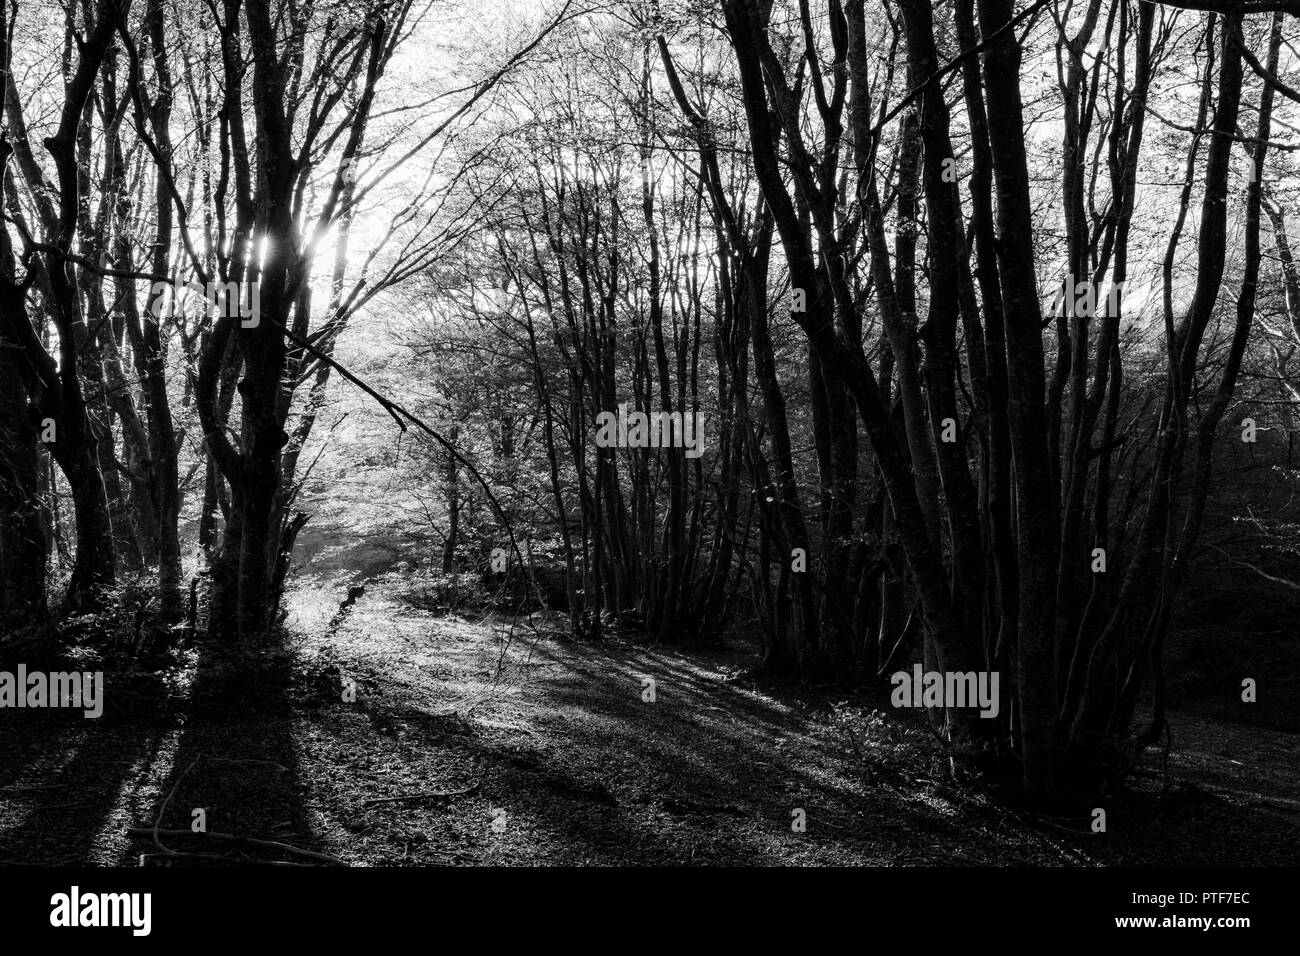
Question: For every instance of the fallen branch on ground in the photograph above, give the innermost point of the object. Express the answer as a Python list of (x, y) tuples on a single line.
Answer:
[(178, 855), (242, 841)]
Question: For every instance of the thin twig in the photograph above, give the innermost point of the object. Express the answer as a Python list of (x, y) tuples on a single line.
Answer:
[(178, 855), (241, 840), (163, 809)]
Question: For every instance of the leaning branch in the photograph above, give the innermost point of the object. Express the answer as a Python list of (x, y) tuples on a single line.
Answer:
[(402, 416), (239, 840)]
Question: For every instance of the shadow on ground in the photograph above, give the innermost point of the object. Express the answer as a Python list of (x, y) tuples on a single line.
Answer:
[(389, 736)]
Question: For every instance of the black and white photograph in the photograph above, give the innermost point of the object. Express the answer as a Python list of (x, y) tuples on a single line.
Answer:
[(826, 446)]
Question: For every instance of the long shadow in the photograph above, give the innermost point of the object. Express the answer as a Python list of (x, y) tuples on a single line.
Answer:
[(693, 778), (235, 770), (64, 777), (695, 757)]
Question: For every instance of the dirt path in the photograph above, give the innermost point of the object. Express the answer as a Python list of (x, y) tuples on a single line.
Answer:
[(562, 739), (468, 745), (573, 762)]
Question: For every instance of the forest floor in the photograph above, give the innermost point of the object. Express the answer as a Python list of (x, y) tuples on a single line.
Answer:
[(469, 743)]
